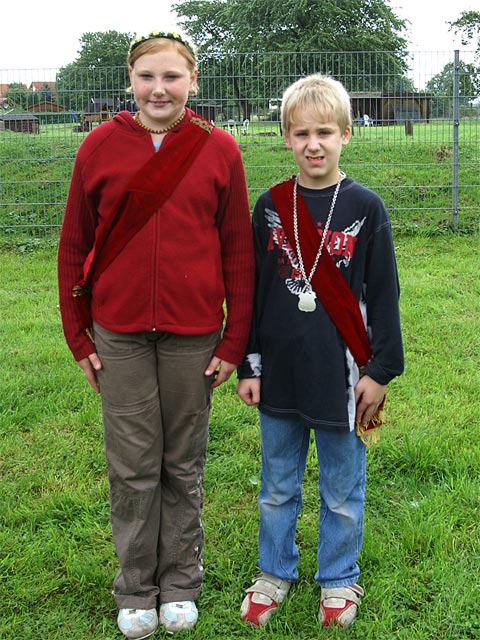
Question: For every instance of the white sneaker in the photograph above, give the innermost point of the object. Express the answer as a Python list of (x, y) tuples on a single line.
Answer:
[(137, 624), (176, 616)]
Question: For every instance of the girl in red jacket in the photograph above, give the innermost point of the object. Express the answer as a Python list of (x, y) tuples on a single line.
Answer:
[(156, 237)]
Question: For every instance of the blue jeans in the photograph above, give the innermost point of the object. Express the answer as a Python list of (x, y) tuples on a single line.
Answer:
[(342, 482)]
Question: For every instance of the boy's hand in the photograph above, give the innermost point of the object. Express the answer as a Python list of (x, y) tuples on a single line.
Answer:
[(249, 391), (368, 396), (90, 366), (220, 369)]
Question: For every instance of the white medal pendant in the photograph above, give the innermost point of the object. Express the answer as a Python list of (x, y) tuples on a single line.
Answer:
[(306, 301)]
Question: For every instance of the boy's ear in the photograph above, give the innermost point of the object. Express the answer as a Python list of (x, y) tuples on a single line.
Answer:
[(346, 135), (287, 141)]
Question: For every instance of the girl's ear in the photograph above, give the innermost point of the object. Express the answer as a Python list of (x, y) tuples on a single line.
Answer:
[(193, 89)]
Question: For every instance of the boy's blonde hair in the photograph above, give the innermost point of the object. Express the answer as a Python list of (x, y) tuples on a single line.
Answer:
[(322, 95)]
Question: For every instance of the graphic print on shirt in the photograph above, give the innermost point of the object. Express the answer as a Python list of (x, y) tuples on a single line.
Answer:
[(340, 244)]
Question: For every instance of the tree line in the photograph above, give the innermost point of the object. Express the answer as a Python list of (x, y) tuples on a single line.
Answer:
[(243, 52)]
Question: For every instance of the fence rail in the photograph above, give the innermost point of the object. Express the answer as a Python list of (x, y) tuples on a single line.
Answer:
[(415, 135)]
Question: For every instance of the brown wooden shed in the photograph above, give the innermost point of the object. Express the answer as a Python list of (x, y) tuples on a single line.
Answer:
[(398, 109), (390, 108), (20, 122), (46, 107)]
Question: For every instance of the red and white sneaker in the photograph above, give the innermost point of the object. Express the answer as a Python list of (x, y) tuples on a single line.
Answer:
[(263, 598), (339, 605)]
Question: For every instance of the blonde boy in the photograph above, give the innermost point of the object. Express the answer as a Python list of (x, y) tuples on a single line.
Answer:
[(299, 369)]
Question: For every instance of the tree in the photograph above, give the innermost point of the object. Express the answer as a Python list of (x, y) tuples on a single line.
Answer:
[(103, 49), (441, 87), (468, 25), (269, 30), (226, 26), (17, 96), (46, 93), (99, 71)]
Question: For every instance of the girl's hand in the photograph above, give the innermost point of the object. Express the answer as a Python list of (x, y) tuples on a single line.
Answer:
[(220, 369), (90, 366)]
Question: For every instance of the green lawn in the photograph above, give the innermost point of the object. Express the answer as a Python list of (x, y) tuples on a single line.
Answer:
[(421, 557), (412, 174)]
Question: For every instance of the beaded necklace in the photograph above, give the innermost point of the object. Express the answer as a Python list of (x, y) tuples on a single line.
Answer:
[(136, 117)]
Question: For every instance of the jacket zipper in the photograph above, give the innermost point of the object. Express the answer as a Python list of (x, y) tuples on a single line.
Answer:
[(154, 266)]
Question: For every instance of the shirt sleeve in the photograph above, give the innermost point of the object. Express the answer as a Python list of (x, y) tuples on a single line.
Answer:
[(251, 367), (76, 240), (381, 291), (238, 265)]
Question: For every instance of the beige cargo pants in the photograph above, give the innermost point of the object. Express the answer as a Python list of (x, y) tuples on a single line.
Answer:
[(156, 404)]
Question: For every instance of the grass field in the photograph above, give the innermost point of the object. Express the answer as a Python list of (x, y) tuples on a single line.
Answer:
[(412, 174), (421, 557)]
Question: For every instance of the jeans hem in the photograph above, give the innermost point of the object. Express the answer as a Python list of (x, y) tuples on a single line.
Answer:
[(333, 584)]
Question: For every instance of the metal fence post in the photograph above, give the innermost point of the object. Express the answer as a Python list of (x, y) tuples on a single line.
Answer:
[(456, 125)]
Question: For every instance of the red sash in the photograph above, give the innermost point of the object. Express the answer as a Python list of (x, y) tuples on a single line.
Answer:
[(328, 282), (331, 288), (144, 194)]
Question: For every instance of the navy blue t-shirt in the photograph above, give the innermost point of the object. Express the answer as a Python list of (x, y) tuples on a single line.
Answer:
[(306, 369)]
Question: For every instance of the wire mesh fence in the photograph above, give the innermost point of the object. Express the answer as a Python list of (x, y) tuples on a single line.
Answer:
[(415, 129)]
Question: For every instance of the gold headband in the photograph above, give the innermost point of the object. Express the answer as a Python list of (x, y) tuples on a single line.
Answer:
[(170, 35)]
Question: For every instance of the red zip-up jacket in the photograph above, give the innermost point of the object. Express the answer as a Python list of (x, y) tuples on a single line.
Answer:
[(194, 253)]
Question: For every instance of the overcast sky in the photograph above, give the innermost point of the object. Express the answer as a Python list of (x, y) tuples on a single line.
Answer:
[(46, 34)]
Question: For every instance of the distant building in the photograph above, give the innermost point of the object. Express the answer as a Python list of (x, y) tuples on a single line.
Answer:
[(208, 110), (390, 108), (20, 123), (127, 105), (46, 106), (3, 91), (47, 86), (8, 102), (97, 110)]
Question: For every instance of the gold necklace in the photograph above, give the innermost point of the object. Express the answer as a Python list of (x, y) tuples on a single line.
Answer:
[(136, 117)]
